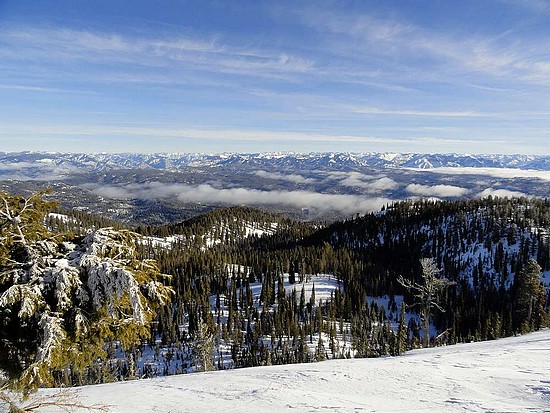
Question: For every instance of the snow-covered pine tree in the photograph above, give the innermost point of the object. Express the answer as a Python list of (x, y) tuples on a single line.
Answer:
[(62, 300), (203, 347)]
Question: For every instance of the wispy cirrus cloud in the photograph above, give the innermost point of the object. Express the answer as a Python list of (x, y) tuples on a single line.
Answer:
[(447, 53), (30, 88), (536, 6), (419, 113), (190, 133), (377, 77), (240, 138), (210, 55)]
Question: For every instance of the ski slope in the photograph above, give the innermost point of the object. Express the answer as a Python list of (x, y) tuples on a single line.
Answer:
[(507, 375)]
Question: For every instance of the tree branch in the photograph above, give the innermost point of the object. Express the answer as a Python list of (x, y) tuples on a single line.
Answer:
[(64, 400)]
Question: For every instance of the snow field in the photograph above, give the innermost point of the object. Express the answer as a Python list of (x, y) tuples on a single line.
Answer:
[(506, 375)]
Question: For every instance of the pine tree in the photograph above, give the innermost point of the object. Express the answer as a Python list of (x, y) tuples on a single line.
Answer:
[(530, 297), (320, 352), (203, 347), (61, 301), (402, 331)]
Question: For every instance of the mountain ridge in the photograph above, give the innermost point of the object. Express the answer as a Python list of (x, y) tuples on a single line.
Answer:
[(323, 160)]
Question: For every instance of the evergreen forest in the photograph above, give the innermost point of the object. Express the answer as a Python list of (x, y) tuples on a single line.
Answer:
[(87, 300)]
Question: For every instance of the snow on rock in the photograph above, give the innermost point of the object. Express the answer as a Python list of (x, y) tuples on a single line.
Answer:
[(507, 375)]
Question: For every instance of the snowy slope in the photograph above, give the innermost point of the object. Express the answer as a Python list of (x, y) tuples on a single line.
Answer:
[(507, 375)]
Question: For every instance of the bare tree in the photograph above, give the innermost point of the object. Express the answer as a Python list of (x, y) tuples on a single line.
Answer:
[(427, 293), (63, 400)]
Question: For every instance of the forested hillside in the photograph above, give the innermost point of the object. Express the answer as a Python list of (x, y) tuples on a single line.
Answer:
[(483, 246), (240, 287)]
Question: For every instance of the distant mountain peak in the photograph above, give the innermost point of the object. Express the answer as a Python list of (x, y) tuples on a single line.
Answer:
[(329, 160)]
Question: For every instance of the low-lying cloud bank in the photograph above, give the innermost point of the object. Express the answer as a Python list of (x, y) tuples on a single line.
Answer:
[(507, 173), (316, 202), (501, 193), (443, 191), (368, 183), (293, 178), (39, 170)]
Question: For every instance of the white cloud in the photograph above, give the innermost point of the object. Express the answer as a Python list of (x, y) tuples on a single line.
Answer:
[(443, 191), (536, 6), (502, 193), (38, 170), (352, 179), (383, 184), (193, 133), (242, 137), (417, 113), (45, 89), (316, 202), (451, 55), (506, 173), (365, 182), (293, 178), (208, 55)]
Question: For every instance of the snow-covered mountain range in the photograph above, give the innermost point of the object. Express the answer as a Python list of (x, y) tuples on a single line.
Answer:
[(337, 161), (161, 188)]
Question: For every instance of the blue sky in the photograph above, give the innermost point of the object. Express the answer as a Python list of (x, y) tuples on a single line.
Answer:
[(249, 76)]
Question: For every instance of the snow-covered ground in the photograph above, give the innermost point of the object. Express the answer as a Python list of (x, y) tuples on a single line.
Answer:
[(507, 375)]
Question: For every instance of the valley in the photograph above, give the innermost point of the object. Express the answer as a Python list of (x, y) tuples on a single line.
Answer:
[(162, 188)]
